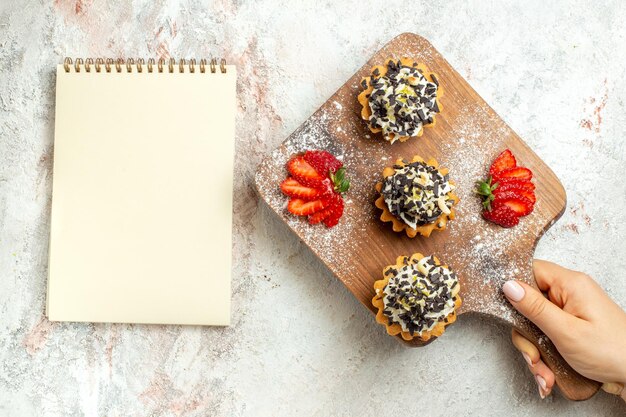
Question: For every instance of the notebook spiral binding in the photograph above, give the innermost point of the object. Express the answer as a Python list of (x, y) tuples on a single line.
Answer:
[(130, 65)]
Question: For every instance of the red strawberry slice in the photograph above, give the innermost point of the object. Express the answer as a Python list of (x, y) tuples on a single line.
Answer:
[(320, 215), (303, 172), (337, 212), (503, 216), (520, 205), (505, 160), (508, 183), (508, 192), (317, 182), (331, 214), (301, 207), (293, 188), (323, 161), (519, 173), (326, 189), (530, 195), (516, 191), (332, 199)]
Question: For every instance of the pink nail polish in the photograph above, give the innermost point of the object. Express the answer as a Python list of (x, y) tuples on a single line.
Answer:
[(513, 290), (541, 382), (527, 359), (541, 386)]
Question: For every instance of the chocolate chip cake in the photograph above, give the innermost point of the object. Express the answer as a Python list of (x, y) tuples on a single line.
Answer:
[(399, 99), (416, 197), (417, 297)]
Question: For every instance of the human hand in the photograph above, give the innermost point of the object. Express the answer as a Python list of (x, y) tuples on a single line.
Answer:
[(585, 325)]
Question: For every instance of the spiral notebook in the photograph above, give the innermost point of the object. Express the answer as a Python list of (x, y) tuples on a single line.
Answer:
[(142, 192)]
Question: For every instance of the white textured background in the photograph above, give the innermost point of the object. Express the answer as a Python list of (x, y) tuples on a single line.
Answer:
[(299, 343)]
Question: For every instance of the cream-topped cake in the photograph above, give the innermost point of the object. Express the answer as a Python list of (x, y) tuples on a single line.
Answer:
[(399, 99), (418, 297), (417, 193), (416, 197)]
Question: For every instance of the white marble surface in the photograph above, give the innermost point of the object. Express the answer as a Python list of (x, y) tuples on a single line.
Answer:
[(300, 344)]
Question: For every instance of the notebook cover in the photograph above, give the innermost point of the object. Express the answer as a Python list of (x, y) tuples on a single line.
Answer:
[(142, 197)]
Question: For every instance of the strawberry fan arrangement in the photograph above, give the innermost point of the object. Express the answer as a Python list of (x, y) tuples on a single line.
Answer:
[(315, 186), (508, 193)]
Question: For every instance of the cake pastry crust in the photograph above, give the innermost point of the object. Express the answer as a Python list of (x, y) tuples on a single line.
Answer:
[(398, 225), (379, 71), (395, 328)]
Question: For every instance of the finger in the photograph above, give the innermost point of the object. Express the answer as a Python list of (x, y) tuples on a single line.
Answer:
[(562, 284), (554, 322), (614, 388), (544, 377), (548, 274), (574, 291), (527, 349)]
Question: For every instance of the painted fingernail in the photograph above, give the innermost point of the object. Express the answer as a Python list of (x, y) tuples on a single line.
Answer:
[(541, 394), (543, 387), (513, 290), (527, 359)]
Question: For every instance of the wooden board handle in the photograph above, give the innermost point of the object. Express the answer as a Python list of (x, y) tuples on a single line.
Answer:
[(572, 384)]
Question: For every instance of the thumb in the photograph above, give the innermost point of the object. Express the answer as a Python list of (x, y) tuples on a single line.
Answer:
[(553, 321)]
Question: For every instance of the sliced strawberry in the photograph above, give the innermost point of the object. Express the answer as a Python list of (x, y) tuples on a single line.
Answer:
[(520, 205), (508, 192), (300, 207), (332, 199), (516, 191), (317, 182), (503, 216), (318, 217), (326, 189), (519, 173), (303, 172), (323, 161), (505, 160), (332, 212), (293, 188), (337, 212), (508, 183), (530, 195)]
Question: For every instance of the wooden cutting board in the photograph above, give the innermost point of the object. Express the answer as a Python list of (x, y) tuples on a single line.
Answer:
[(466, 138)]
